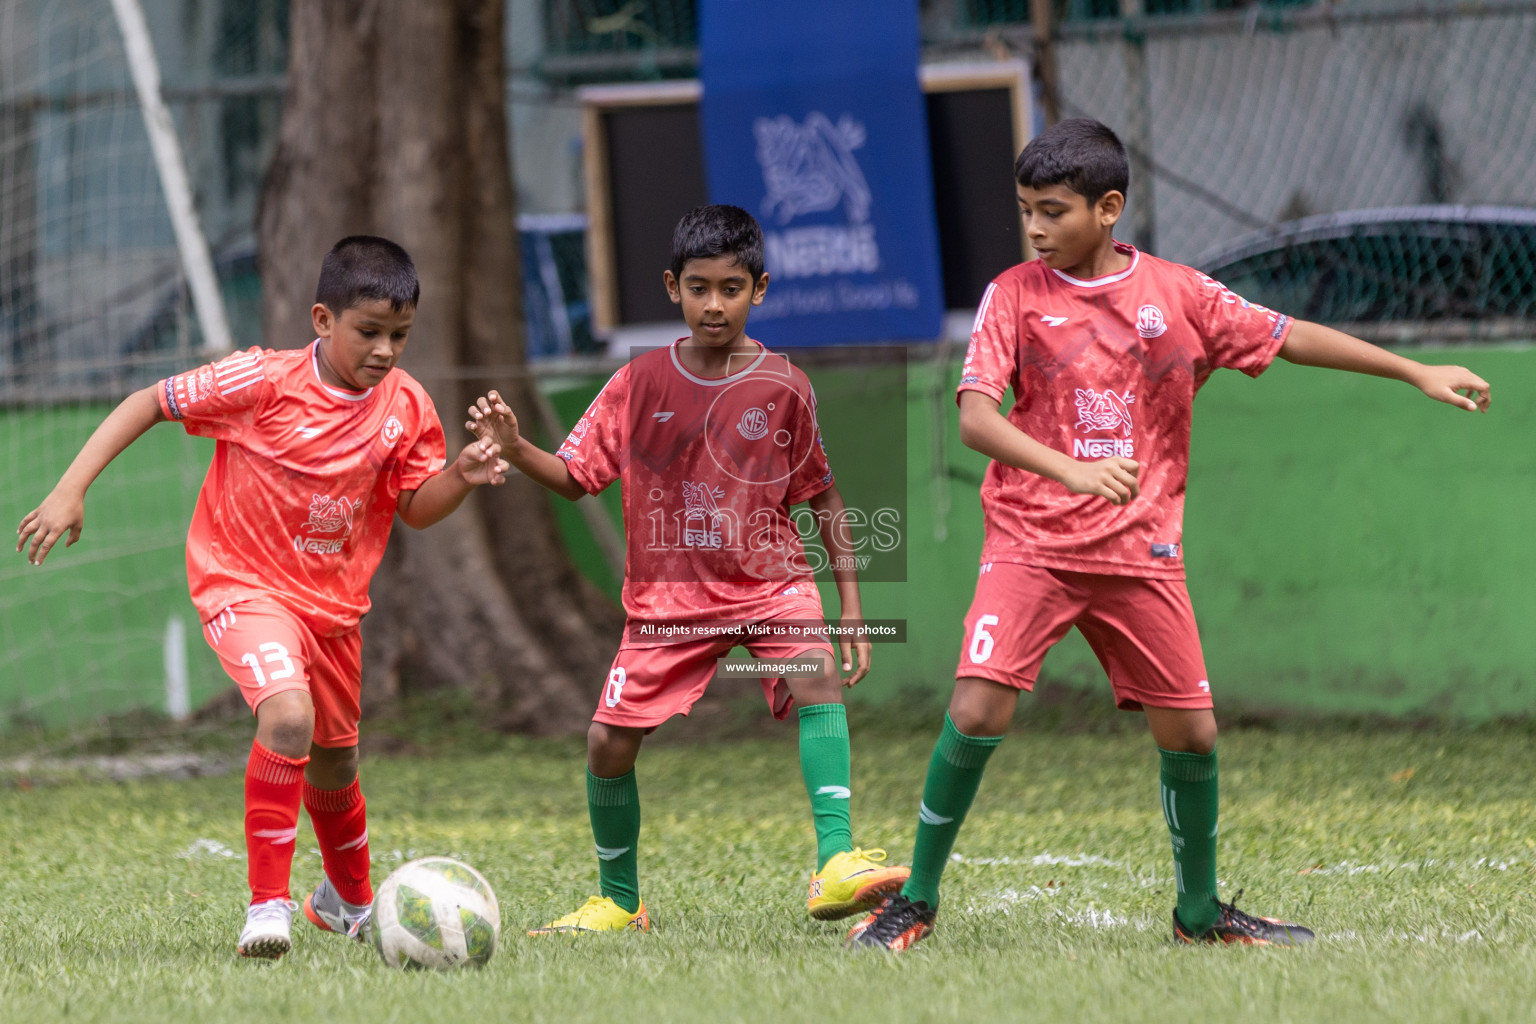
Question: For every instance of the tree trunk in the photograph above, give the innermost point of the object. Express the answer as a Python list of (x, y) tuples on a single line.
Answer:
[(395, 125)]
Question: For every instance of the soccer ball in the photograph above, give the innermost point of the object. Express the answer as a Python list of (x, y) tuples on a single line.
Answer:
[(435, 912)]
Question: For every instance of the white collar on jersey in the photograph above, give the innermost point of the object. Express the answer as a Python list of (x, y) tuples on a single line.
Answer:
[(1099, 282), (762, 353), (314, 363)]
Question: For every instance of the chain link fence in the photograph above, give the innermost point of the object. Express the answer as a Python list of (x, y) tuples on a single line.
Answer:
[(1363, 162)]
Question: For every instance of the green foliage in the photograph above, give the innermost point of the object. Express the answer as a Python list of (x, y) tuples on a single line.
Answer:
[(1408, 851)]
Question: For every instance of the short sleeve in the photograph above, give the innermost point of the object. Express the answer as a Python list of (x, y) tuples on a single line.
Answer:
[(427, 454), (219, 400), (814, 474), (993, 353), (594, 449), (1238, 334)]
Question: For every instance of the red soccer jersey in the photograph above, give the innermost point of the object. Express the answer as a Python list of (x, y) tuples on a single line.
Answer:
[(1100, 368), (710, 467), (300, 497)]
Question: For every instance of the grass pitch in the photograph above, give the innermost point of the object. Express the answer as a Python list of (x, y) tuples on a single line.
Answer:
[(1410, 853)]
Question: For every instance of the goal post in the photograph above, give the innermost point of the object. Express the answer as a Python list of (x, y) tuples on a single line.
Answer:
[(171, 164)]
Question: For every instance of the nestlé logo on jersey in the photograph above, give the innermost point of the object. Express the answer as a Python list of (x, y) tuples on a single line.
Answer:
[(810, 167), (701, 515), (199, 385), (327, 515), (1106, 411)]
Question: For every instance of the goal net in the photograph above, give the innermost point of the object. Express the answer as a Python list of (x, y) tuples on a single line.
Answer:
[(93, 304)]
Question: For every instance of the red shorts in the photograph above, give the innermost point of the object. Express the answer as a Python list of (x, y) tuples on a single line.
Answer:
[(266, 649), (1142, 631), (648, 685)]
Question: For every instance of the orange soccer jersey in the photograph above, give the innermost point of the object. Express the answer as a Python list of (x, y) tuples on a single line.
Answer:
[(1100, 368), (300, 497), (710, 467)]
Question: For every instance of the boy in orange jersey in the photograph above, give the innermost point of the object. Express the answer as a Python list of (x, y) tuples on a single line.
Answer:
[(1104, 348), (318, 450), (713, 438)]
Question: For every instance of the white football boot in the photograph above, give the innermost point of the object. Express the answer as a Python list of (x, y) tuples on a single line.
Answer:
[(327, 911), (267, 933)]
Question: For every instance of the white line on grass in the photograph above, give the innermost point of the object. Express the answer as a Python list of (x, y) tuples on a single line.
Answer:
[(1347, 868), (209, 848), (1076, 860), (1425, 936)]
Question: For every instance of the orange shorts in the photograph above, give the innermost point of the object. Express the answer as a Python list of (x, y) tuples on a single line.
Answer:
[(266, 649), (1142, 631), (648, 685)]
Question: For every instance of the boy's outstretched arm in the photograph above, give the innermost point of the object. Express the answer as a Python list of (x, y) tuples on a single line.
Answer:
[(491, 419), (832, 521), (1312, 344), (479, 463), (63, 511), (984, 428)]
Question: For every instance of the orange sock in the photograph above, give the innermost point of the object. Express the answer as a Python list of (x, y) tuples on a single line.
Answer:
[(272, 784), (341, 824)]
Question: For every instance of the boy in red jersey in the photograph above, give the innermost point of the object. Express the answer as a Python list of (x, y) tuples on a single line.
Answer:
[(318, 449), (714, 438), (1104, 348)]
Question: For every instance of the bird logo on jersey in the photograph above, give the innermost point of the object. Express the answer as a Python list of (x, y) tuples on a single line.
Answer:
[(1104, 410), (1149, 322), (701, 520), (330, 516), (327, 515)]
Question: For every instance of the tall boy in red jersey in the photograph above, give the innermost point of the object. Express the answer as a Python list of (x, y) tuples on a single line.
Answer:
[(1104, 348), (318, 450), (714, 438)]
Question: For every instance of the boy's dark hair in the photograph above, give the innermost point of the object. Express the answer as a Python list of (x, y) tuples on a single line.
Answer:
[(709, 231), (1080, 153), (363, 267)]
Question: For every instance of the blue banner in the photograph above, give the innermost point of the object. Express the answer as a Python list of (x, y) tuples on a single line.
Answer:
[(814, 122)]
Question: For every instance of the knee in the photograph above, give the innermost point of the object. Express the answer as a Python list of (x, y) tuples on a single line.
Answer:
[(611, 750), (826, 688), (981, 707), (1196, 738), (285, 725), (599, 739), (1203, 740), (820, 690), (331, 767)]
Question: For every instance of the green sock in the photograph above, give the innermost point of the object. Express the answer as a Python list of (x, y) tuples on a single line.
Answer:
[(1189, 806), (824, 764), (954, 774), (615, 808)]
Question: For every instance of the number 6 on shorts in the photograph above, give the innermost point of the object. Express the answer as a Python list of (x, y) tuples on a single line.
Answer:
[(981, 640)]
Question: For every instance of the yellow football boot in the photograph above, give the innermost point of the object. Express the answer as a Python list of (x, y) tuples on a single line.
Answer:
[(853, 882), (598, 914)]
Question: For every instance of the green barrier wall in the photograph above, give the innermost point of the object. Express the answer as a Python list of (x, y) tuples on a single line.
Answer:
[(1352, 547), (83, 635)]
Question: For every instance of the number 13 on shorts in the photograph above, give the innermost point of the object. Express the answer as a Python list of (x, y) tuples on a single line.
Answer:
[(275, 654)]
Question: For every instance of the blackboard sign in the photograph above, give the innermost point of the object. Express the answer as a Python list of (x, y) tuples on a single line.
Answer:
[(644, 165)]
